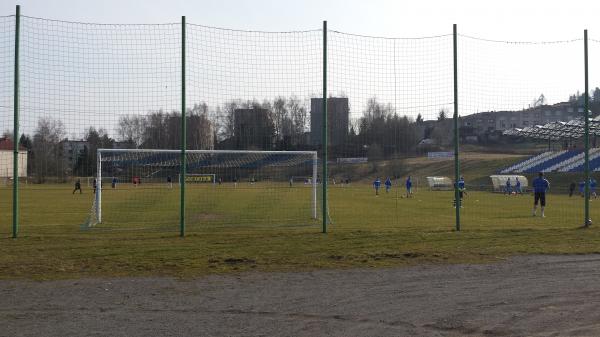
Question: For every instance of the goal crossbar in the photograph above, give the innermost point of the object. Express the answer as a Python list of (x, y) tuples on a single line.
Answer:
[(206, 151)]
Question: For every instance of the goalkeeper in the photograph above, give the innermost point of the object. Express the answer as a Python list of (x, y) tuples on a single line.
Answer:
[(77, 186)]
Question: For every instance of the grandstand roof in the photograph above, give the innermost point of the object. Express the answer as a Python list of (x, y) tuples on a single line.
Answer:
[(557, 130)]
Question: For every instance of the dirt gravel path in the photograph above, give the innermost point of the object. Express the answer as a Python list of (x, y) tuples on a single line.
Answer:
[(523, 296)]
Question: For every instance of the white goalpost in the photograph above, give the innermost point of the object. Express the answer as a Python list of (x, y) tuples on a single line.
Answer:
[(151, 170)]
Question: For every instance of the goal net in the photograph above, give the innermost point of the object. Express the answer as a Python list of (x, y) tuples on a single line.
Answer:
[(440, 183), (222, 188)]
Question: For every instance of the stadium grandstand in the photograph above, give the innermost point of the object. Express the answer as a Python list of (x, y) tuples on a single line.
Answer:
[(571, 160)]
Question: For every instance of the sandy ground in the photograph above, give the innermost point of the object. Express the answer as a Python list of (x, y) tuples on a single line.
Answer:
[(524, 296)]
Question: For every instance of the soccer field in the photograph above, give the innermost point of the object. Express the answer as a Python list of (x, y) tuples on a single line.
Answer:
[(255, 228)]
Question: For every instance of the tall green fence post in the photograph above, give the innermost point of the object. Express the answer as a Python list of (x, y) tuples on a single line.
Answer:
[(456, 149), (15, 209), (324, 140), (587, 131), (183, 167)]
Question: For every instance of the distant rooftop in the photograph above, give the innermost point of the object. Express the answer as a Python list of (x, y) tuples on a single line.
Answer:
[(6, 144)]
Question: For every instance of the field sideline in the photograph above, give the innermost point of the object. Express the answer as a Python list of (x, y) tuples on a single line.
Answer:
[(367, 231)]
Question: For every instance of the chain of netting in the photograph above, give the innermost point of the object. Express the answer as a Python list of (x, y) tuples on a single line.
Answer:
[(388, 94), (253, 91), (7, 58), (7, 51), (506, 86), (88, 86), (224, 188)]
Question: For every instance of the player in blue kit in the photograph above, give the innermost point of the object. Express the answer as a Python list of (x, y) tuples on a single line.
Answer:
[(508, 188), (540, 186), (388, 185), (408, 187), (462, 191), (377, 185)]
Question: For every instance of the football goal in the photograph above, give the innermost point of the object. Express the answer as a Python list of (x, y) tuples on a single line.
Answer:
[(440, 183), (222, 187)]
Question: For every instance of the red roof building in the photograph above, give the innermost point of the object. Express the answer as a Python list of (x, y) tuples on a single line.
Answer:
[(6, 144)]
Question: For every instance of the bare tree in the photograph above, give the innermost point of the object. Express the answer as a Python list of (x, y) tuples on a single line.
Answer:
[(539, 101), (226, 118), (86, 160), (7, 134), (442, 115), (419, 119), (200, 129), (279, 113), (375, 110), (47, 150), (299, 117), (131, 129)]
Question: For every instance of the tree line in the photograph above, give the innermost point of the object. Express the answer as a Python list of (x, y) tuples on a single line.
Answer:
[(284, 121), (382, 133)]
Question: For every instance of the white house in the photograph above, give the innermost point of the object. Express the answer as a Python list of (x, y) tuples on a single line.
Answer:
[(6, 159)]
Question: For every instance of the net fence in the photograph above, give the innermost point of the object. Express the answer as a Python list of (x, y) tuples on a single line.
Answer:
[(251, 91), (255, 120), (594, 104), (226, 188), (7, 52), (84, 87), (519, 85), (385, 95)]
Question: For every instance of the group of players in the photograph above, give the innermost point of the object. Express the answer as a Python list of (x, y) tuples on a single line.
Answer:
[(592, 184), (78, 186), (508, 187), (540, 187), (388, 186), (113, 184)]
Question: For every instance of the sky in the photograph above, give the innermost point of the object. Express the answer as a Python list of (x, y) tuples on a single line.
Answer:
[(63, 74), (503, 20)]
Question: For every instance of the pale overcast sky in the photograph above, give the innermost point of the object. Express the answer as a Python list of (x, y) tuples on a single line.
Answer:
[(91, 75), (507, 19)]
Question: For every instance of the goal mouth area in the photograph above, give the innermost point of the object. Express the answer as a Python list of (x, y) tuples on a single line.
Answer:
[(256, 181)]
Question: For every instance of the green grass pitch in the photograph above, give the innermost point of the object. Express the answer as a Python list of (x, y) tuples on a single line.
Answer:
[(270, 229)]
